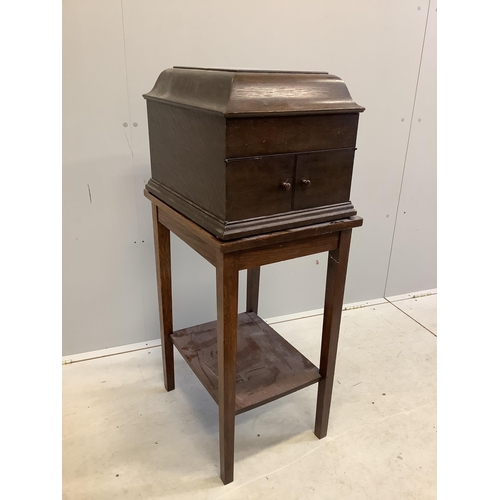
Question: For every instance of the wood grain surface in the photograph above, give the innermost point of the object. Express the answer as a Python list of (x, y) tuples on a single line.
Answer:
[(323, 178), (255, 187), (208, 245), (187, 154), (164, 285), (267, 366), (334, 295), (289, 134)]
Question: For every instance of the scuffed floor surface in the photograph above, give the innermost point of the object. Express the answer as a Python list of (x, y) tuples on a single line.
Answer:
[(125, 437)]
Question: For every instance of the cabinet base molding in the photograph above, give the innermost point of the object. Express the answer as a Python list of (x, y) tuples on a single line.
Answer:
[(229, 230)]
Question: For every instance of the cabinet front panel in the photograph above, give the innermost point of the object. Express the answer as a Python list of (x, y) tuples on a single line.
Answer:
[(259, 186), (323, 178), (289, 134)]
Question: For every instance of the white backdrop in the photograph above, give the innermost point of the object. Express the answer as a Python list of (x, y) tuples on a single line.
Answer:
[(113, 51)]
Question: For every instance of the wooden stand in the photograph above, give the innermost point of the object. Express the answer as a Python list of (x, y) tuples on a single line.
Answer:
[(242, 361)]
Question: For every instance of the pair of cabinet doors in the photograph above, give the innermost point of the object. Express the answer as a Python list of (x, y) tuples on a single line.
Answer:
[(282, 183)]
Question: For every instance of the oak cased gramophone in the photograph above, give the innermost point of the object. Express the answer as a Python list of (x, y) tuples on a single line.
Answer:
[(250, 152)]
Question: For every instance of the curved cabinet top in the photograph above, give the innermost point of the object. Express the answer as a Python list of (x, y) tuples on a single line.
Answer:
[(253, 93)]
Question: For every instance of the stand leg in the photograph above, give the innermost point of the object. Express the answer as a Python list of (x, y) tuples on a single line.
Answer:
[(164, 282), (253, 281), (335, 283), (227, 327)]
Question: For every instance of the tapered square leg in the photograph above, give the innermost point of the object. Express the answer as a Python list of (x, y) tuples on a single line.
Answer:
[(334, 295), (227, 327), (164, 282), (253, 282)]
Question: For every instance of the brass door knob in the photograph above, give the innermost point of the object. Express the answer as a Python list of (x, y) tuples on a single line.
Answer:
[(286, 185), (306, 182)]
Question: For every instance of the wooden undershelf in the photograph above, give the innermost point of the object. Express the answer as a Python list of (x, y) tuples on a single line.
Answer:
[(267, 366)]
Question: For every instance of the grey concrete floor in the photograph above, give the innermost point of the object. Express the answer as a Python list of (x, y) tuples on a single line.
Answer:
[(124, 437)]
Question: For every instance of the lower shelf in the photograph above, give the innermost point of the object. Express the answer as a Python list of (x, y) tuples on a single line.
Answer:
[(267, 366)]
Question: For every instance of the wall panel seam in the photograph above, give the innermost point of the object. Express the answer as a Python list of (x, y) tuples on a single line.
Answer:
[(407, 148)]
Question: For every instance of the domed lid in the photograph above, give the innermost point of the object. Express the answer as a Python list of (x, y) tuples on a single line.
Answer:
[(253, 93)]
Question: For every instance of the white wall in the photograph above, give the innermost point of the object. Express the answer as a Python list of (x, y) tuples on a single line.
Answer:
[(113, 52)]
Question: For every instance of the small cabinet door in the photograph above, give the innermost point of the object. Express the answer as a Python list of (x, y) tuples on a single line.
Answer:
[(259, 186), (323, 178)]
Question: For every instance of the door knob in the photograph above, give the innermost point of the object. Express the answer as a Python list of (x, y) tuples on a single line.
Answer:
[(306, 182)]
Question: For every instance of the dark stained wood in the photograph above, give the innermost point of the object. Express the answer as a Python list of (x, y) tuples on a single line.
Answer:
[(254, 94), (230, 230), (253, 282), (196, 237), (227, 329), (323, 178), (186, 207), (286, 220), (294, 234), (284, 251), (187, 154), (242, 92), (255, 187), (289, 134), (164, 283), (222, 143), (334, 294), (226, 231), (206, 91), (267, 366), (241, 361), (208, 246), (251, 168)]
